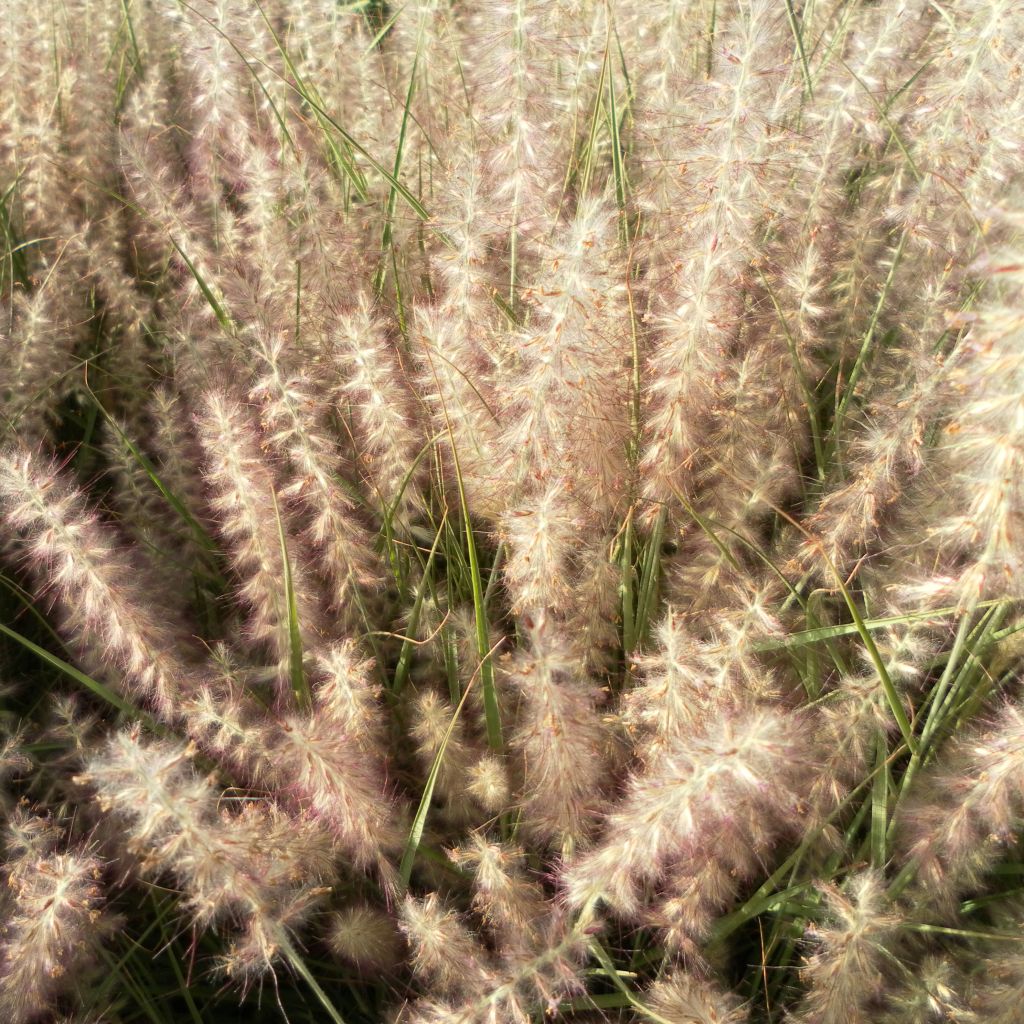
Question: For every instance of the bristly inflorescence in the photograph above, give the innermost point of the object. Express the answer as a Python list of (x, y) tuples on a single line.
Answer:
[(511, 509)]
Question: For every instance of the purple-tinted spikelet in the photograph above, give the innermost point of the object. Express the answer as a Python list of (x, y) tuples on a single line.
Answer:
[(722, 155), (455, 382), (258, 868), (50, 927), (444, 950), (965, 809), (524, 97), (327, 761), (374, 390), (565, 403), (561, 738), (294, 423), (541, 538), (37, 341), (984, 436), (256, 525), (845, 972), (733, 785), (105, 601), (684, 999), (640, 385)]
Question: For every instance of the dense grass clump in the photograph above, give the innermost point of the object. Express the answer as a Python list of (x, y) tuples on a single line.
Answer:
[(511, 510)]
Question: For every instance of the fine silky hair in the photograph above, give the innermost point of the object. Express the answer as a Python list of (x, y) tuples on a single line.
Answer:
[(511, 510)]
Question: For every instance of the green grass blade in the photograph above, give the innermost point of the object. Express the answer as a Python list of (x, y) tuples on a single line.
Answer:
[(296, 669), (218, 310), (389, 216), (822, 633), (405, 657), (627, 588), (412, 844), (492, 712), (880, 805), (798, 35), (602, 957), (298, 965), (101, 690)]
